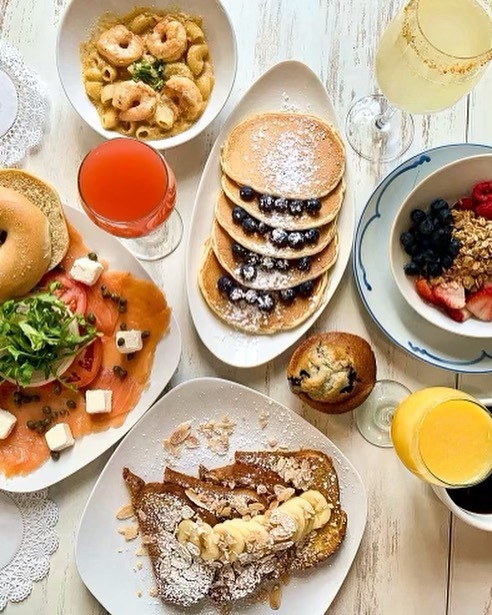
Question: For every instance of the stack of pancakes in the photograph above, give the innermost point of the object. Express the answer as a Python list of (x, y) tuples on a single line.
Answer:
[(274, 237)]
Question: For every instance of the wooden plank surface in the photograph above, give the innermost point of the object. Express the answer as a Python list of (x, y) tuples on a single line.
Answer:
[(412, 559)]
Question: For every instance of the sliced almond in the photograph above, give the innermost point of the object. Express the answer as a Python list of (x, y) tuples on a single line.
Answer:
[(180, 434), (125, 512), (129, 532)]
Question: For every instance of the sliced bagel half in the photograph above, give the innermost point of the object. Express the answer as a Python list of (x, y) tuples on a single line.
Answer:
[(47, 200)]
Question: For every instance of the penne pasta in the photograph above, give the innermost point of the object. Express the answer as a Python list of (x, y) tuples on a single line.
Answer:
[(161, 98)]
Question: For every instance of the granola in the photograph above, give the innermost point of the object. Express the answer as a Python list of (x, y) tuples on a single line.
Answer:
[(473, 263)]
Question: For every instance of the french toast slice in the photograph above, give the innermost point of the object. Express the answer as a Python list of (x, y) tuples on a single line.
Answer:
[(221, 501), (159, 507), (242, 475), (305, 470)]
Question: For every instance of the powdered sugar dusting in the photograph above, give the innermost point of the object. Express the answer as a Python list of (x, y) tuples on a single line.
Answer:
[(290, 163)]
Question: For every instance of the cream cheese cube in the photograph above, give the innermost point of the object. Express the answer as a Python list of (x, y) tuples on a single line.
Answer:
[(129, 341), (86, 271), (98, 401), (59, 437), (7, 424)]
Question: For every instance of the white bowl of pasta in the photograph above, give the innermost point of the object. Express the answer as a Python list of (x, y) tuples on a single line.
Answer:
[(160, 73)]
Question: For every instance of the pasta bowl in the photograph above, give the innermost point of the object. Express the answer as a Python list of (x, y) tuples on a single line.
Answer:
[(77, 24)]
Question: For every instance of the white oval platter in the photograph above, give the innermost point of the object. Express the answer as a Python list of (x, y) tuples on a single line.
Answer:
[(166, 360), (288, 86)]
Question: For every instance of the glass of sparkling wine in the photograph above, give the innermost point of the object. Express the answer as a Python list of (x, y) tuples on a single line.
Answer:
[(430, 56)]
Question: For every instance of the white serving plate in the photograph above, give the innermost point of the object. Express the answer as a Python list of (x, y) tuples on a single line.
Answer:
[(75, 26), (288, 86), (375, 282), (450, 182), (110, 574), (166, 360)]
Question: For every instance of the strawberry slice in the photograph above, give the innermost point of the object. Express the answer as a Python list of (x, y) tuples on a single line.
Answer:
[(485, 209), (482, 192), (465, 203), (450, 295), (424, 289), (480, 304), (458, 315)]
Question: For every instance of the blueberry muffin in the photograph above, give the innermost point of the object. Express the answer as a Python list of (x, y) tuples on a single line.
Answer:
[(332, 372)]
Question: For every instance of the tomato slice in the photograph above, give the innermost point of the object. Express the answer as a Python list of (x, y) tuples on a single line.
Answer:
[(85, 366), (70, 292)]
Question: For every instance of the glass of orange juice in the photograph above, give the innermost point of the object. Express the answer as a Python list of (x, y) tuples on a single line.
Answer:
[(128, 189), (444, 436)]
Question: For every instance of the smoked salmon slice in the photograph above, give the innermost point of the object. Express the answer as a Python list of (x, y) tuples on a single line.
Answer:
[(146, 309)]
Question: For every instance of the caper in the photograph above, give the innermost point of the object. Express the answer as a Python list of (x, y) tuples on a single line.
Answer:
[(71, 404), (63, 412), (114, 297), (55, 455), (17, 398), (105, 292), (54, 415), (31, 424), (40, 428), (123, 326), (92, 256), (57, 389), (91, 319), (121, 308), (26, 399), (46, 410), (130, 356), (145, 334), (123, 301), (3, 237), (121, 341)]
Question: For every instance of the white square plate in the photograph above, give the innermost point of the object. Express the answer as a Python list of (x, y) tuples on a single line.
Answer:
[(166, 360), (110, 575)]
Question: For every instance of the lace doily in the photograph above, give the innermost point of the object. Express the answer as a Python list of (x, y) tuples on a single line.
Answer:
[(23, 106), (27, 539)]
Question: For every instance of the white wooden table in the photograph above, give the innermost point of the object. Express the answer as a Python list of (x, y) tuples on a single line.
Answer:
[(415, 557)]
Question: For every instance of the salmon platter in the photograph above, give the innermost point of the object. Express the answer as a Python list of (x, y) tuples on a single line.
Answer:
[(83, 355)]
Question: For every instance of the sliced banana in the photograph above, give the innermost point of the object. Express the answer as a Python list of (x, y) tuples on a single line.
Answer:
[(210, 549), (322, 518), (188, 532), (295, 512), (309, 514), (233, 538), (320, 505)]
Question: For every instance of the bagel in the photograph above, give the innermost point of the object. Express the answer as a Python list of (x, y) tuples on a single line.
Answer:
[(45, 198), (25, 252)]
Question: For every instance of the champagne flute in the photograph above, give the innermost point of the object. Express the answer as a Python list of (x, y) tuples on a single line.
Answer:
[(430, 56)]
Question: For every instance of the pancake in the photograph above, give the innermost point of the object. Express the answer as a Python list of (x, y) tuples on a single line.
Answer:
[(287, 154), (260, 243), (249, 318), (271, 279), (330, 206)]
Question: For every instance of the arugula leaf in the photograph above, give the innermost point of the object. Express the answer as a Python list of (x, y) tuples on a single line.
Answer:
[(36, 333), (150, 73)]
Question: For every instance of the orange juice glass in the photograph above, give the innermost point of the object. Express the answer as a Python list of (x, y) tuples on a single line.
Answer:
[(128, 189), (444, 437)]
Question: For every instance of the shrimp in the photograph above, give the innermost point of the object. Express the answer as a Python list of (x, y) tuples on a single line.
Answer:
[(184, 93), (136, 101), (119, 46), (167, 41)]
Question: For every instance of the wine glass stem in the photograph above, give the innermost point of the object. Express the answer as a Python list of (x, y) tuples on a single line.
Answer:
[(385, 117)]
